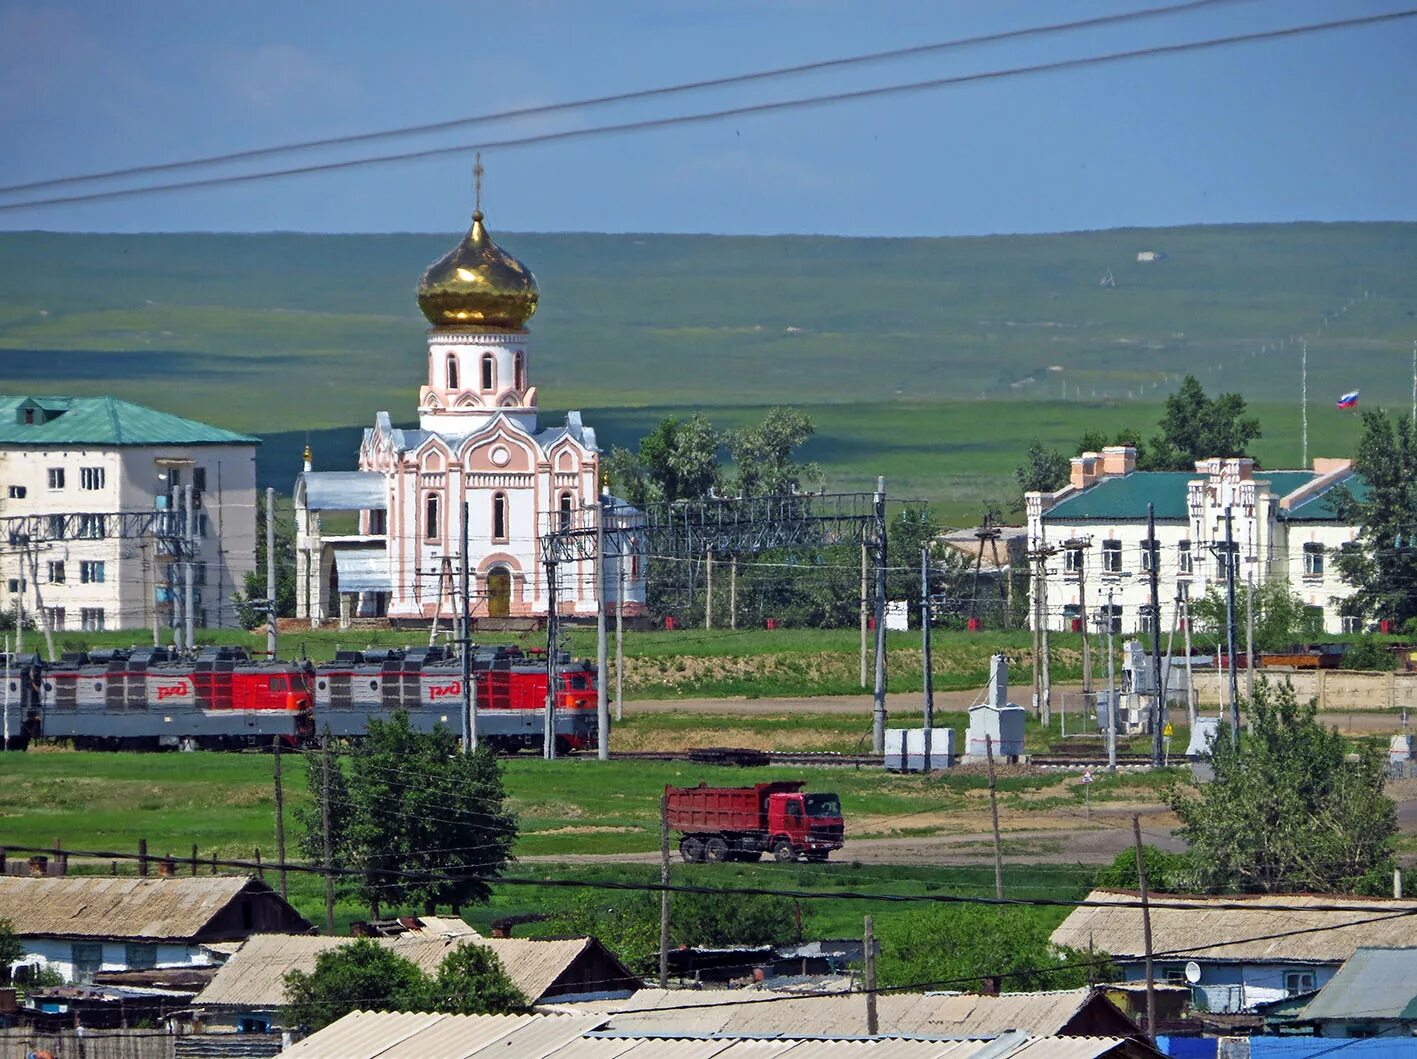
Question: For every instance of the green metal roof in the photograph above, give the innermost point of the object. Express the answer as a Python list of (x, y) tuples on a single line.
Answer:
[(1126, 496), (102, 421), (1282, 483), (1320, 508)]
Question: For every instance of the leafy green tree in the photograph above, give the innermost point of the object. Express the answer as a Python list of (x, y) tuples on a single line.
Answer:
[(1043, 470), (955, 946), (678, 460), (471, 981), (361, 976), (415, 804), (1282, 619), (1383, 566), (1286, 812), (11, 948), (255, 581), (1196, 427), (764, 454), (1368, 653), (1165, 872), (324, 772)]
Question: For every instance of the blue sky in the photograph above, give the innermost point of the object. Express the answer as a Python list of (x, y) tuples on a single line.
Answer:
[(1315, 128)]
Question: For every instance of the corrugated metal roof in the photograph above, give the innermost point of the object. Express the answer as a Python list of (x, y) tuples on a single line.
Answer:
[(95, 906), (254, 978), (104, 421), (1126, 496), (363, 570), (343, 490), (1372, 984), (1320, 506), (368, 1035), (1217, 934), (765, 1013)]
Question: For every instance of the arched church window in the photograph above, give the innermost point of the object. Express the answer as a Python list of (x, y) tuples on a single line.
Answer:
[(431, 522), (499, 516), (488, 372), (520, 371), (452, 371), (565, 510)]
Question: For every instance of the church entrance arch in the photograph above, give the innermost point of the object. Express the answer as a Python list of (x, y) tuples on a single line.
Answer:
[(499, 592)]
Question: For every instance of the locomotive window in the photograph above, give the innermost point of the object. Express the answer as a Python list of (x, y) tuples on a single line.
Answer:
[(98, 685), (579, 683), (323, 685), (278, 683)]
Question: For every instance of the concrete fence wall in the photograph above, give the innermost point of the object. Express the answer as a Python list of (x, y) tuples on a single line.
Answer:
[(1337, 690)]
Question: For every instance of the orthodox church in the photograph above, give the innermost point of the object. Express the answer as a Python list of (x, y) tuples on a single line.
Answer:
[(479, 448)]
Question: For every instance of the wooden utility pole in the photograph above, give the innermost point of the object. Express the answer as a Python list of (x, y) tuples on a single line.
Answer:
[(1157, 707), (271, 596), (878, 709), (873, 1024), (1230, 627), (994, 813), (1190, 675), (329, 857), (280, 815), (620, 642), (1145, 931), (664, 889)]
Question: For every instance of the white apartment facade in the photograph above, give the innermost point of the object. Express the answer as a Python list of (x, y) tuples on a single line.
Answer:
[(1283, 524), (66, 460)]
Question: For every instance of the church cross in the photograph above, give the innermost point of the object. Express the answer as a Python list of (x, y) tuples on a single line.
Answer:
[(477, 172)]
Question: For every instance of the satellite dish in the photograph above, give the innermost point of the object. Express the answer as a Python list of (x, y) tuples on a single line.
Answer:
[(1193, 972)]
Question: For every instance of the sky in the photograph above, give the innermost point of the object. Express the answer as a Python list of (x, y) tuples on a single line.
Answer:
[(1322, 127)]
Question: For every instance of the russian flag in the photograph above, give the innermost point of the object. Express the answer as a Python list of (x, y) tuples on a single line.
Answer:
[(1348, 400)]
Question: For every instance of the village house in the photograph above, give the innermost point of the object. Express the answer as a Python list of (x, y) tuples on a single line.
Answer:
[(1239, 962), (1374, 994), (79, 925), (1284, 525)]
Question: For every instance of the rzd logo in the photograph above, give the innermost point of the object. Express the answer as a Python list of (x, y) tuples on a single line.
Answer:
[(172, 691), (445, 691)]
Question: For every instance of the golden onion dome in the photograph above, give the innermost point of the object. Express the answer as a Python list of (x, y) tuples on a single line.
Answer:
[(477, 284)]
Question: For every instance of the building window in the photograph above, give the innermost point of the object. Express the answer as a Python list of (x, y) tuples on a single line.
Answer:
[(489, 372), (140, 957), (520, 370), (56, 527), (1150, 555), (565, 511), (378, 522), (56, 477), (56, 571), (1176, 976), (1351, 624), (91, 572), (1222, 565), (1072, 560), (91, 477), (1111, 557), (1313, 560), (1183, 557), (16, 584), (431, 523), (17, 492), (91, 619), (452, 371), (91, 527), (55, 616), (499, 516), (199, 479), (1297, 982), (87, 959)]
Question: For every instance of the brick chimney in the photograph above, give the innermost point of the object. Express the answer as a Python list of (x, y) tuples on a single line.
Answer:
[(989, 985), (1085, 470), (1119, 459), (39, 866)]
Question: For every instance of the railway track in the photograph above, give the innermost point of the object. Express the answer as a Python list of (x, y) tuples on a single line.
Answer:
[(756, 758)]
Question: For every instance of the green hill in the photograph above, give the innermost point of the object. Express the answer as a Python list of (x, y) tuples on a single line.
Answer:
[(933, 361)]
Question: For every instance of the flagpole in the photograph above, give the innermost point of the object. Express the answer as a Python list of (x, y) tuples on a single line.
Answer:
[(1304, 402), (1414, 381)]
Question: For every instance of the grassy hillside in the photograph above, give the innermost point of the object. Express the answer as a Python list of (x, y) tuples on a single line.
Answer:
[(903, 349)]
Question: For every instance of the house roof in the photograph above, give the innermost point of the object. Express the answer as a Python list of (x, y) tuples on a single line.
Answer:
[(1372, 984), (909, 1014), (1198, 930), (343, 490), (388, 1035), (1126, 496), (95, 906), (1320, 507), (254, 978), (104, 421)]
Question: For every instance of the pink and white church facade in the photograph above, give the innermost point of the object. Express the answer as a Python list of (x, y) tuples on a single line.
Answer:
[(479, 442)]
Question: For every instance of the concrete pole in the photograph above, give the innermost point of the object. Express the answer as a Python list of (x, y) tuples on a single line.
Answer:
[(1111, 691), (1230, 626), (469, 678), (733, 592), (864, 597), (878, 717), (708, 590), (620, 642), (271, 580), (1046, 686), (1191, 696), (602, 664), (1157, 709), (1250, 639), (925, 654), (188, 571)]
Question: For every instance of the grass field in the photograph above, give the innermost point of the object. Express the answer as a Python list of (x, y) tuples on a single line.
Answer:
[(931, 361)]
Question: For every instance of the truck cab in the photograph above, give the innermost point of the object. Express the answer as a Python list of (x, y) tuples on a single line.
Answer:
[(811, 823)]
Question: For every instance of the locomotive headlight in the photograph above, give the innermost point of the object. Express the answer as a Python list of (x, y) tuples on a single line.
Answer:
[(167, 720), (444, 718)]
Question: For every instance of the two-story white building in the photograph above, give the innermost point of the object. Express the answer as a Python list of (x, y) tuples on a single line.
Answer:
[(66, 460), (1284, 525)]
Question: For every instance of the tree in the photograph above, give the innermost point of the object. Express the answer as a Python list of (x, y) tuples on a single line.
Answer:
[(1286, 812), (763, 454), (678, 460), (471, 981), (255, 581), (1165, 872), (11, 948), (1043, 470), (415, 804), (361, 976), (1196, 427), (324, 772), (1368, 653), (957, 946), (1383, 566), (1282, 619)]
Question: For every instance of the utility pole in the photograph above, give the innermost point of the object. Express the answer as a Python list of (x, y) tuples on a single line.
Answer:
[(708, 589), (1157, 708), (602, 650), (189, 616), (1230, 626), (925, 652), (469, 689), (620, 640), (664, 889), (280, 814), (1076, 550), (1146, 931), (733, 592), (1042, 676), (325, 756), (1249, 639), (271, 598), (873, 1025), (553, 638), (994, 813), (1111, 690), (878, 716), (1190, 675), (865, 599), (1036, 595), (6, 744)]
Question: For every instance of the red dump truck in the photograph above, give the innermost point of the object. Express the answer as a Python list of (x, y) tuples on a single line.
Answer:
[(743, 823)]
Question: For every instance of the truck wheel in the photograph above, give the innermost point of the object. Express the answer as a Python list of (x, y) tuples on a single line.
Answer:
[(782, 851), (716, 850), (691, 849)]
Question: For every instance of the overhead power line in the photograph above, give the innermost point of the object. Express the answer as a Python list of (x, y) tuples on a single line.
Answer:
[(622, 97), (824, 99)]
